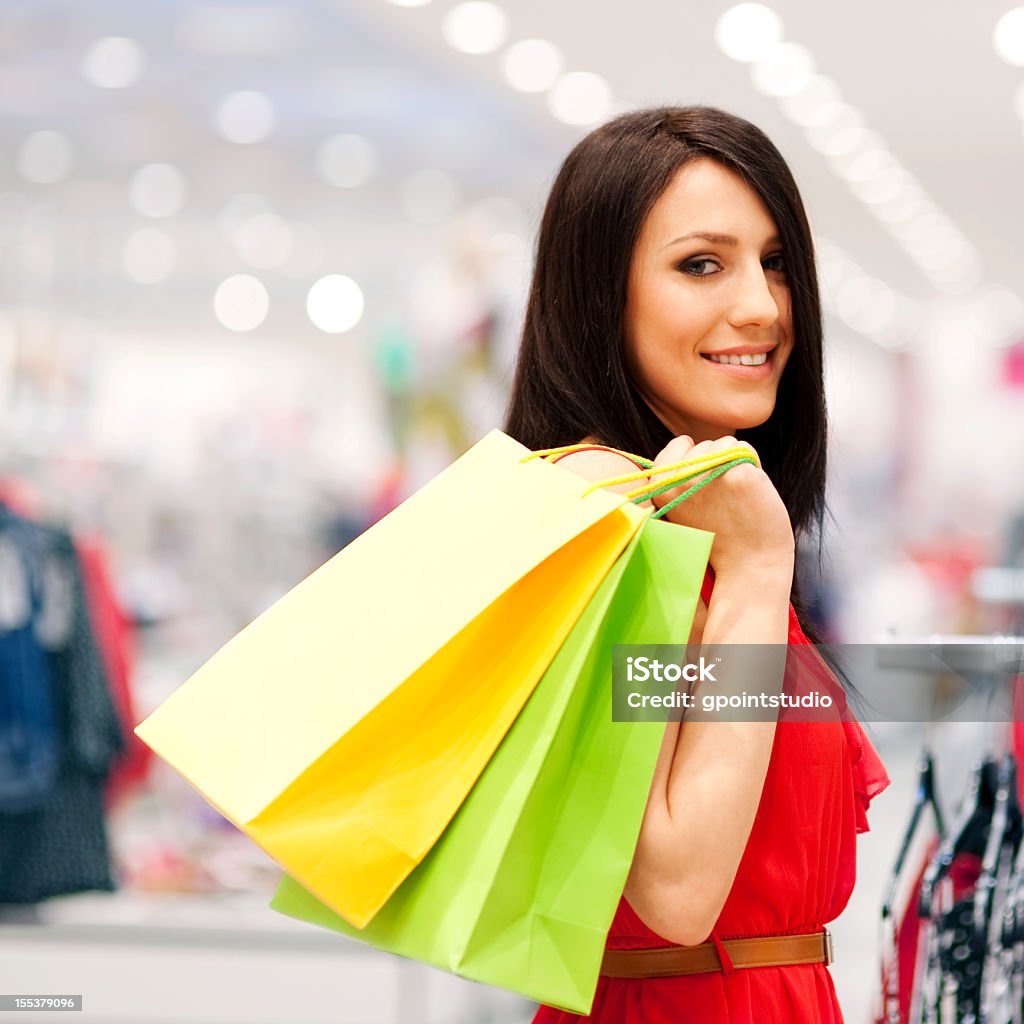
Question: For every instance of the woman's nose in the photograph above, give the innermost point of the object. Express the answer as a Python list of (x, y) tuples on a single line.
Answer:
[(754, 305)]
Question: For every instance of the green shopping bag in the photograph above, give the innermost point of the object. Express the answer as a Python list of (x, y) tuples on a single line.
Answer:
[(521, 888)]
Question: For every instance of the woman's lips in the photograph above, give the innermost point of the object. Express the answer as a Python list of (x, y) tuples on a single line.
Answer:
[(741, 372)]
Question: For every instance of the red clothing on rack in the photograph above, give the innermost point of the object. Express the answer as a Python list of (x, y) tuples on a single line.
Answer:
[(904, 962), (1016, 687), (796, 875), (116, 640)]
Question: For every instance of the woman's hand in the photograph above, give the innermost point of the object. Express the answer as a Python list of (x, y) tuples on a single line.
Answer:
[(741, 507)]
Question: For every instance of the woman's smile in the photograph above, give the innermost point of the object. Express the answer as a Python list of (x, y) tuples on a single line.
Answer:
[(752, 363)]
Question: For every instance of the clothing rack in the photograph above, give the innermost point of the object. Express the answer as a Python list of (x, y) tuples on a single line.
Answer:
[(65, 709), (955, 952)]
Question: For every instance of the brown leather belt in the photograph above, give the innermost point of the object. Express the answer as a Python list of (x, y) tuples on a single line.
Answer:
[(669, 961)]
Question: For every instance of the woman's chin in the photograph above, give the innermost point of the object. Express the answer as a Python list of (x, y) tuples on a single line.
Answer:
[(741, 420), (752, 422), (748, 415), (715, 422)]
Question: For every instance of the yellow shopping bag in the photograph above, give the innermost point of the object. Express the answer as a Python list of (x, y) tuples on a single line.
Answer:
[(343, 728)]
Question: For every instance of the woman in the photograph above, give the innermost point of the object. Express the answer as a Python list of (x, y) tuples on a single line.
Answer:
[(674, 311)]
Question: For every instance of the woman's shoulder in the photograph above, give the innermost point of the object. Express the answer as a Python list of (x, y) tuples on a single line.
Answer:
[(598, 462)]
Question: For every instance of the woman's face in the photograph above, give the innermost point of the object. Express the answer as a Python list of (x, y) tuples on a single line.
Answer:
[(708, 288)]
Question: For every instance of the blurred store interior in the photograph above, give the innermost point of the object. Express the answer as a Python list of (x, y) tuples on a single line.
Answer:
[(262, 269)]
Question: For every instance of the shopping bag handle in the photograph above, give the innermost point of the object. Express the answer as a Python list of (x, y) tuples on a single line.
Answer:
[(713, 465)]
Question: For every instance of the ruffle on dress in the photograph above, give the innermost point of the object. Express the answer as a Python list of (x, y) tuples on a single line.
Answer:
[(869, 774)]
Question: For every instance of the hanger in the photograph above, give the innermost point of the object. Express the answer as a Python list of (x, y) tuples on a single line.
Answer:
[(968, 836), (925, 798), (973, 833), (1012, 932), (1003, 843)]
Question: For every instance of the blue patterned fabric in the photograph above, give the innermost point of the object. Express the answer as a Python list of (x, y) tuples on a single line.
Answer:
[(60, 847), (29, 744)]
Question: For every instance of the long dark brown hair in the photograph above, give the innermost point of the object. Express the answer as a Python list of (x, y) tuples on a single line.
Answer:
[(571, 378)]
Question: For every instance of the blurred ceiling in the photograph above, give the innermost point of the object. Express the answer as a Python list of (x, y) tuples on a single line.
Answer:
[(925, 78)]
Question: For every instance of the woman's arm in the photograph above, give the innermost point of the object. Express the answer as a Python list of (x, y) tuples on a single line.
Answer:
[(707, 783), (709, 775)]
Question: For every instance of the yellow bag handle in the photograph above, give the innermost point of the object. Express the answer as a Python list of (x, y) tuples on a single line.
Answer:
[(713, 464)]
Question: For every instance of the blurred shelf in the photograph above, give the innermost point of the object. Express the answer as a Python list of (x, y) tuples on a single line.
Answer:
[(227, 921), (154, 959)]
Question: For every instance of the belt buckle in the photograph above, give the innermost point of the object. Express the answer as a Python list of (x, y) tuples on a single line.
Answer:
[(829, 956)]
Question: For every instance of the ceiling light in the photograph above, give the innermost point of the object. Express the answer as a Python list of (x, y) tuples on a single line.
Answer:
[(884, 187), (868, 164), (580, 98), (240, 207), (817, 100), (113, 62), (937, 255), (1008, 37), (904, 207), (476, 26), (1001, 313), (866, 304), (241, 302), (837, 130), (845, 164), (958, 280), (264, 240), (842, 133), (245, 117), (929, 226), (748, 31), (335, 304), (346, 161), (783, 71), (149, 256), (157, 190), (44, 157), (533, 65)]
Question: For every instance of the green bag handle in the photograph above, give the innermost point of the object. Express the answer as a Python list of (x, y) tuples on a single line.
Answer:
[(687, 469)]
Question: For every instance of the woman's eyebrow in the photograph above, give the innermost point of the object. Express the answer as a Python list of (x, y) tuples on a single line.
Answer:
[(715, 238)]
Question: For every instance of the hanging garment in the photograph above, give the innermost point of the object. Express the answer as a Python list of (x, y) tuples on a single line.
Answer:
[(61, 846), (952, 974), (904, 937), (1016, 690), (115, 637), (796, 875), (968, 922), (29, 743), (902, 971)]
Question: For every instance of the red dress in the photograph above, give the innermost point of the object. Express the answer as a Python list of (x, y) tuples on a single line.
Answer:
[(796, 874)]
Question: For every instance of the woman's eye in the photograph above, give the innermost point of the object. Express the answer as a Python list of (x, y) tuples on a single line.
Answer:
[(776, 262), (700, 267)]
